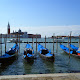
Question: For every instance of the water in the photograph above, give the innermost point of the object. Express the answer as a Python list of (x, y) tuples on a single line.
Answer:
[(61, 64)]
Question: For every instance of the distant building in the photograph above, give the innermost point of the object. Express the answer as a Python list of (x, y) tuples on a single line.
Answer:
[(20, 33), (64, 37), (34, 35), (25, 35)]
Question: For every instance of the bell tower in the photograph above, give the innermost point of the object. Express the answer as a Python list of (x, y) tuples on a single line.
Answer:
[(8, 28)]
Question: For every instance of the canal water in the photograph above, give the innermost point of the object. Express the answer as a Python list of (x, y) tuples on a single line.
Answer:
[(61, 64)]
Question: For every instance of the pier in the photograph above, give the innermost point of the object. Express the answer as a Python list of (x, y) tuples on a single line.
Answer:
[(48, 42)]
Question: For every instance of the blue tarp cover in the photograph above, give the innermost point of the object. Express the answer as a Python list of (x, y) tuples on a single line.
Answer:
[(12, 50), (15, 46), (28, 46), (65, 49), (5, 56), (78, 51), (73, 47), (29, 55), (40, 48)]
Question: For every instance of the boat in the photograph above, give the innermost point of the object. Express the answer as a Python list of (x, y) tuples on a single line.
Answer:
[(45, 53), (69, 51), (10, 54), (77, 49), (73, 47), (28, 52), (14, 40)]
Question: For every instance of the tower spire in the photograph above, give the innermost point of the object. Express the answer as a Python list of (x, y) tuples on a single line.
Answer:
[(8, 28)]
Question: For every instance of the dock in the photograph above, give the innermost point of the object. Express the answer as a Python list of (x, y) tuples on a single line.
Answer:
[(57, 76), (48, 42)]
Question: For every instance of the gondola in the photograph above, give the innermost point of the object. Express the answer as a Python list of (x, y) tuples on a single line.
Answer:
[(69, 51), (73, 47), (28, 52), (77, 49), (10, 54), (45, 53)]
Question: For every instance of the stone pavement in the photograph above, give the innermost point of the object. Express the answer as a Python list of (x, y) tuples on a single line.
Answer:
[(57, 76)]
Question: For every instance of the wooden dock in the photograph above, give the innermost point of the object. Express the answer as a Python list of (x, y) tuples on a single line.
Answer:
[(46, 42)]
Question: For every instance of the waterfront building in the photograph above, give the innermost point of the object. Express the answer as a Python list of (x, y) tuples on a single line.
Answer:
[(20, 33), (34, 35)]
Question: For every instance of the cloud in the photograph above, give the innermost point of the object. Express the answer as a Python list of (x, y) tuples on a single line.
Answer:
[(47, 30)]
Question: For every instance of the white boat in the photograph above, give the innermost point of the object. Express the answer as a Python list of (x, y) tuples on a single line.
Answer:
[(14, 40)]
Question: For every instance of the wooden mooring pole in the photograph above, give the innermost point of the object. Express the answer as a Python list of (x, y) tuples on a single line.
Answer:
[(5, 39), (1, 44), (79, 41), (53, 43), (36, 43), (56, 44), (70, 36), (45, 41), (32, 41), (68, 46), (17, 38), (19, 43)]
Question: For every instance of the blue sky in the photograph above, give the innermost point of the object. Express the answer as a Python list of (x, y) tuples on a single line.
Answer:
[(39, 13)]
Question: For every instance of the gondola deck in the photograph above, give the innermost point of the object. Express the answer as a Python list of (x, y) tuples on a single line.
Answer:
[(10, 54), (28, 52), (71, 52), (45, 53)]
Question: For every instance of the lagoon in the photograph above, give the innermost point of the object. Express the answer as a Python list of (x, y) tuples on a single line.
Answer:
[(61, 64)]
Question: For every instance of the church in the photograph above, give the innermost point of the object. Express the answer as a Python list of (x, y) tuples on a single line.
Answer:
[(19, 32), (14, 34)]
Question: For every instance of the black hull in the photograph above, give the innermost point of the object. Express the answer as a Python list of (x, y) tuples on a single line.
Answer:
[(47, 58), (5, 60), (29, 58), (72, 54)]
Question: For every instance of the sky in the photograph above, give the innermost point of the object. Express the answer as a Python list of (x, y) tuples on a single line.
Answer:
[(43, 17)]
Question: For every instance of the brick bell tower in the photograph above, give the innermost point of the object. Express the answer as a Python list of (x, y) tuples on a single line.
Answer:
[(8, 28)]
